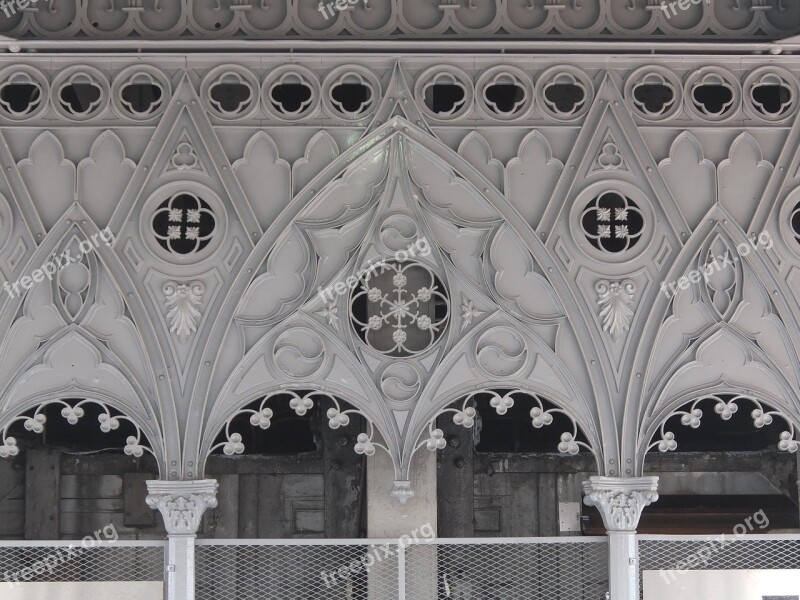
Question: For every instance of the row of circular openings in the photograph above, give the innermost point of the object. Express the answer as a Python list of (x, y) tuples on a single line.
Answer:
[(505, 92), (82, 93), (713, 94), (291, 93), (505, 95)]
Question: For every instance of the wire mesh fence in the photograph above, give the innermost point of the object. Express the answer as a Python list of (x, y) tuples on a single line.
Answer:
[(572, 569), (545, 569), (255, 570), (674, 554), (74, 562)]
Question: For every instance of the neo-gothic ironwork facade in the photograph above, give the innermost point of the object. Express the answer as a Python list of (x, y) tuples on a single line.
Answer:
[(571, 234)]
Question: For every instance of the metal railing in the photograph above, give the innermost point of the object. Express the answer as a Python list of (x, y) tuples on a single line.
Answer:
[(490, 569), (673, 554), (78, 561)]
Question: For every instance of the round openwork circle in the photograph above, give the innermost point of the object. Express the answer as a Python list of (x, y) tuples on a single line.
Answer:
[(612, 221), (351, 93), (653, 93), (712, 94), (183, 223), (399, 308), (445, 93), (230, 92), (23, 92), (564, 93), (504, 93), (290, 93), (80, 93), (140, 93), (789, 222), (770, 94)]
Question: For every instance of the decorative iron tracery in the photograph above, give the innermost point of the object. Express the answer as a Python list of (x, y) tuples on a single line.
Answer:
[(399, 307), (691, 417), (72, 413), (300, 403), (540, 415)]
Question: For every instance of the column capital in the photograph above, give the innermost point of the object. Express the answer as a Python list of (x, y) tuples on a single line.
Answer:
[(182, 503), (620, 500)]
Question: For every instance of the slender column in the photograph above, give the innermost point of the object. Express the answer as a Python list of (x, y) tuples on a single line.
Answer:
[(620, 501), (182, 504)]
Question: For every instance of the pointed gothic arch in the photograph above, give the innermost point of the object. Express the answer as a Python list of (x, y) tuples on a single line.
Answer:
[(756, 321), (114, 323), (370, 166)]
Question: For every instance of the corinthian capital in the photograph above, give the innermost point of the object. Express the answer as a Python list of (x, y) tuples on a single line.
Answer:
[(182, 503), (620, 500)]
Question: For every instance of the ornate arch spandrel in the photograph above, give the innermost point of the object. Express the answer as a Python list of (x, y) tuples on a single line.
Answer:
[(401, 142)]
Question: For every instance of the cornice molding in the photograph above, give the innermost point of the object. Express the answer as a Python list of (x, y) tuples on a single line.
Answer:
[(406, 20)]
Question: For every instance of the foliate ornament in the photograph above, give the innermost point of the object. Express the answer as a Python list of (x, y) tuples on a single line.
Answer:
[(620, 500), (501, 352), (72, 413), (435, 440), (398, 232), (465, 413), (401, 491), (183, 224), (722, 276), (261, 416), (299, 353), (615, 299), (468, 313), (184, 158), (9, 447), (691, 415), (182, 503), (330, 313), (609, 157), (182, 301), (400, 382), (612, 222), (401, 310), (73, 282)]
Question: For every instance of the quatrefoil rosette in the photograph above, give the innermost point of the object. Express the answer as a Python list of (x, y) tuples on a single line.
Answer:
[(183, 223)]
